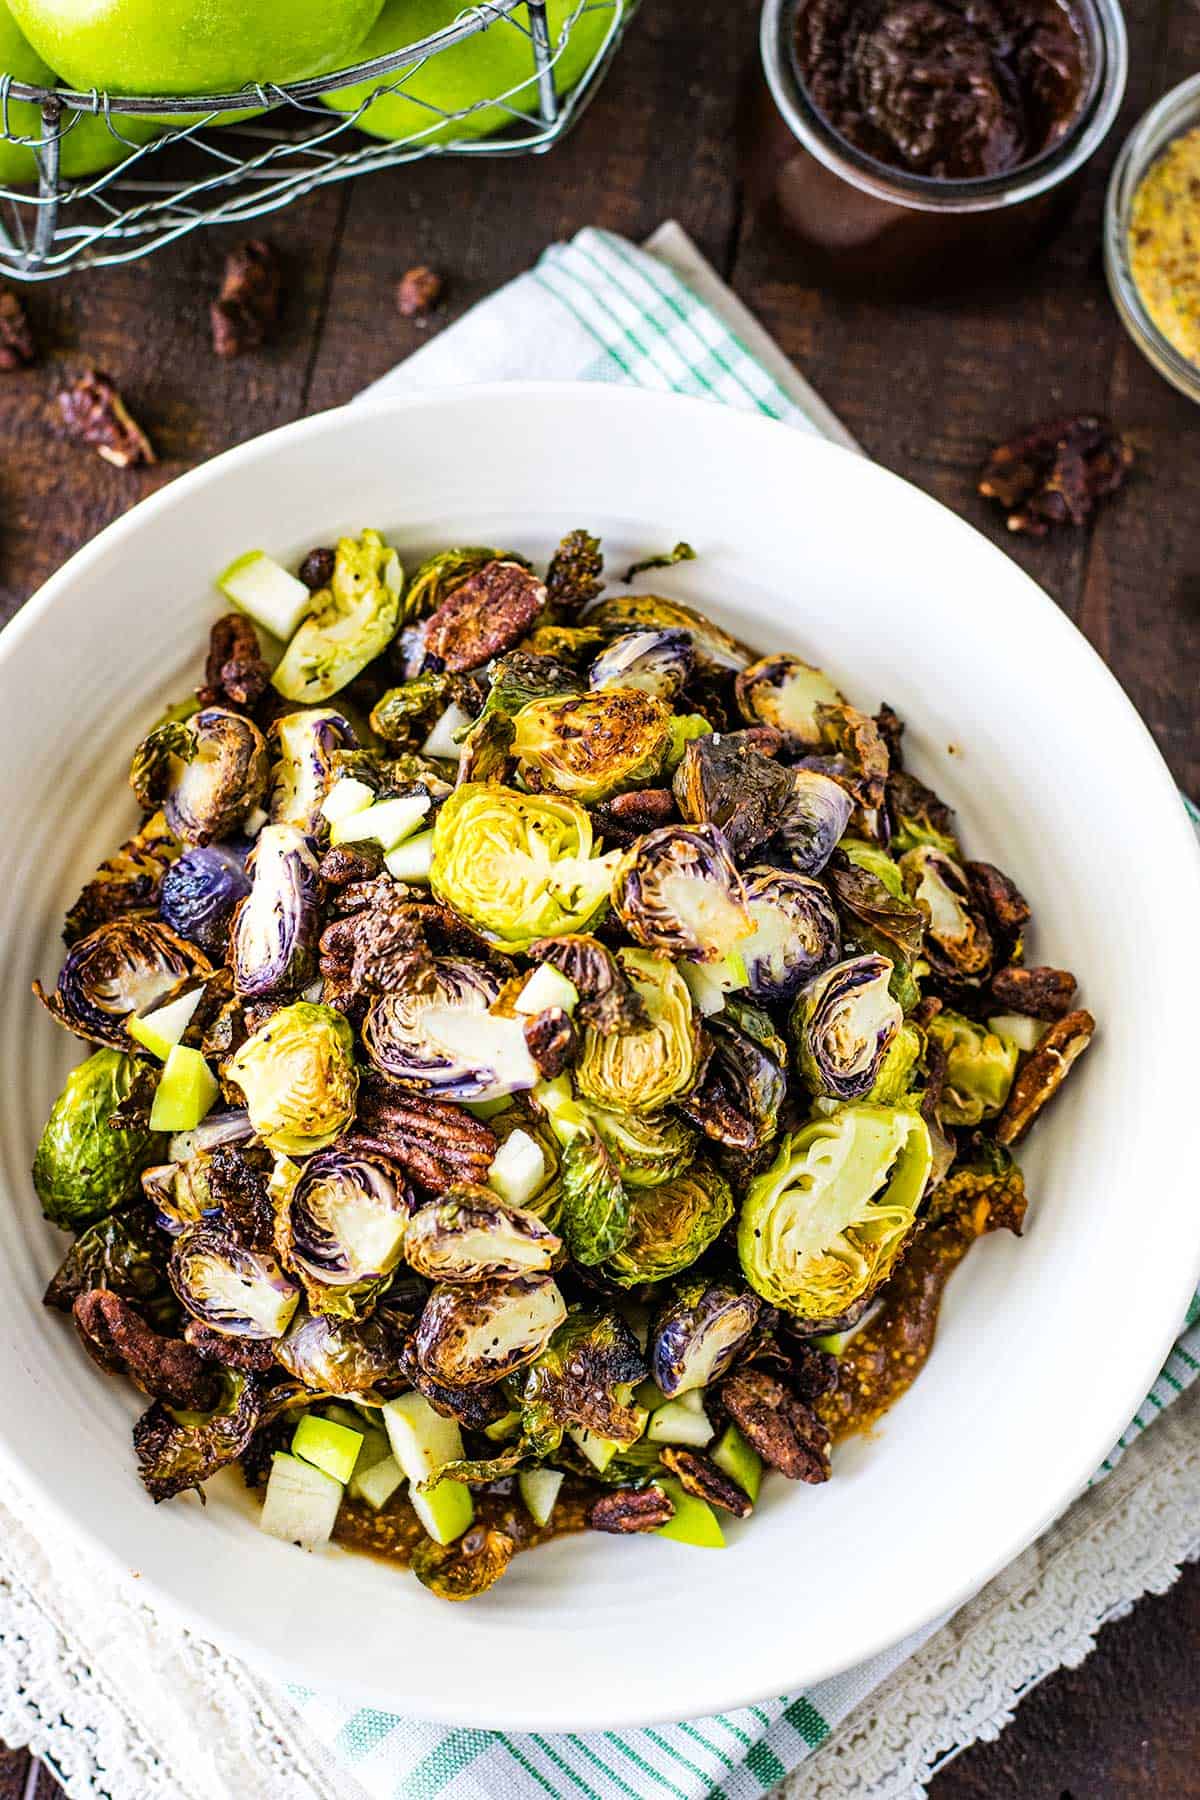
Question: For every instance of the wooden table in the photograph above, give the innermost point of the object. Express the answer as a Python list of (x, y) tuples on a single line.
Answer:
[(926, 388)]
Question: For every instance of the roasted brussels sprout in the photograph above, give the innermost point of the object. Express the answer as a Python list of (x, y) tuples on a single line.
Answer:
[(489, 1330), (744, 1088), (815, 817), (176, 1453), (678, 890), (518, 866), (128, 881), (958, 940), (275, 932), (784, 692), (918, 816), (406, 713), (304, 771), (842, 1026), (643, 1071), (595, 1204), (712, 648), (546, 1198), (723, 781), (208, 773), (124, 967), (698, 1332), (297, 1073), (593, 745), (353, 1359), (351, 621), (823, 1227), (519, 677), (435, 1035), (469, 1566), (796, 932), (585, 1377), (122, 1253), (199, 892), (645, 1151), (980, 1066), (83, 1168), (859, 757), (242, 1292), (341, 1228), (473, 1236), (672, 1224), (864, 886), (657, 662)]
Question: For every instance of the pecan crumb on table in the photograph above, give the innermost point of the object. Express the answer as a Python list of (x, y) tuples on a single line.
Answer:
[(1057, 472), (93, 413)]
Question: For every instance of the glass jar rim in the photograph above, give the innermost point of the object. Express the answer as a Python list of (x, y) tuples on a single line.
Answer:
[(924, 193)]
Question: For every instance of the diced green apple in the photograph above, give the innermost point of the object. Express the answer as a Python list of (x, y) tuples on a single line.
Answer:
[(263, 589), (187, 1090), (446, 1511), (160, 1030), (694, 1521), (377, 1484), (740, 1460), (546, 987), (598, 1450), (411, 860), (386, 823), (346, 797), (443, 739), (518, 1169), (676, 1423), (327, 1446), (539, 1490), (422, 1440), (301, 1502)]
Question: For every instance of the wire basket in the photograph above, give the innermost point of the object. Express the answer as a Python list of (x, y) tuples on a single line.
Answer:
[(245, 170)]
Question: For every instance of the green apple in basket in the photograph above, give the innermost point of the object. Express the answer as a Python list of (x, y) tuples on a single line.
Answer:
[(87, 148), (492, 62)]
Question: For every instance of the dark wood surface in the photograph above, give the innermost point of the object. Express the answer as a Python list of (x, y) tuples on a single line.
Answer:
[(926, 388)]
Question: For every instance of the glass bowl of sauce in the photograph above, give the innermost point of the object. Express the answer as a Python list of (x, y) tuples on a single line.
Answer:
[(927, 145), (1152, 236)]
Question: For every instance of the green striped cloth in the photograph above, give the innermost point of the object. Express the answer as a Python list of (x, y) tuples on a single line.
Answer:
[(598, 309)]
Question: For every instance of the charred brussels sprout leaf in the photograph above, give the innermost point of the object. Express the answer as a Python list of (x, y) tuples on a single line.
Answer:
[(698, 1333), (814, 818), (585, 1377), (298, 1076), (918, 816), (278, 924), (127, 966), (724, 781), (595, 1205), (122, 1253), (518, 867), (175, 1454), (306, 744), (980, 1066), (958, 940), (739, 1102), (481, 1333), (643, 1071), (469, 1566), (473, 1236), (672, 1224), (796, 932), (868, 899), (241, 1292), (593, 745), (714, 650), (657, 662), (842, 1026), (519, 677), (783, 692), (678, 890), (341, 1228), (645, 1151), (351, 621), (854, 740), (128, 881), (823, 1227), (666, 559), (83, 1168), (573, 577), (410, 710), (352, 1359), (199, 893), (208, 774)]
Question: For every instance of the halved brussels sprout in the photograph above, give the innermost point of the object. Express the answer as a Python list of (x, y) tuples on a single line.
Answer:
[(208, 773), (243, 1293), (179, 1192), (842, 1026), (796, 932), (865, 888), (585, 1378), (698, 1333), (643, 1071), (672, 1224), (435, 1035), (645, 1151), (471, 1235), (657, 662), (918, 816), (958, 938), (121, 968), (980, 1065), (815, 817), (341, 1228), (307, 743), (128, 881), (592, 745), (518, 866), (405, 714), (83, 1168), (275, 931), (739, 1101), (784, 692), (595, 1204), (467, 1566), (723, 781), (354, 1359), (199, 892), (712, 648), (489, 1330), (678, 890), (823, 1227), (122, 1253), (859, 758), (351, 621), (297, 1073)]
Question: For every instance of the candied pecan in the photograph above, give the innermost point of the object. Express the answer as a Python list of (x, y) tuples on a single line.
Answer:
[(435, 1142), (252, 1356), (1002, 903), (93, 413), (551, 1040), (378, 939), (476, 1406), (1057, 472), (347, 863), (246, 312), (17, 346), (700, 1476), (573, 577), (240, 1189), (484, 615), (418, 292), (763, 738), (236, 673), (607, 1001), (785, 1432), (630, 1509), (120, 1342), (1043, 1073), (627, 816), (1039, 992), (316, 571), (814, 1372)]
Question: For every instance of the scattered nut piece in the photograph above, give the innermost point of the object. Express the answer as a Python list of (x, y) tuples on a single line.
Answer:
[(316, 571), (785, 1432), (629, 816), (483, 616), (246, 312), (119, 1341), (1057, 472), (418, 292), (631, 1509), (435, 1142), (700, 1476), (93, 413), (1040, 1078), (551, 1039), (17, 346), (1040, 993), (236, 673)]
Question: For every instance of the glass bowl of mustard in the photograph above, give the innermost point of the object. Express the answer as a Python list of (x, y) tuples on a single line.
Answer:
[(1152, 236)]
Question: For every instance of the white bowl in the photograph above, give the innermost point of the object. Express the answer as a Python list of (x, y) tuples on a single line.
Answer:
[(1046, 1346)]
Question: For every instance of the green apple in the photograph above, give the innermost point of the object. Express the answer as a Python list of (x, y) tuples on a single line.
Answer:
[(87, 148), (492, 62)]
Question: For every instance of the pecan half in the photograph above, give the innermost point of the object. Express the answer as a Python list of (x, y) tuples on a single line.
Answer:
[(316, 571), (785, 1432), (1001, 901), (1056, 472), (435, 1142), (246, 312), (372, 945), (93, 413), (630, 1509), (1041, 993), (1041, 1076), (347, 863), (551, 1040), (627, 816), (120, 1342), (487, 613), (17, 346), (253, 1356), (236, 673), (418, 292), (700, 1476)]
